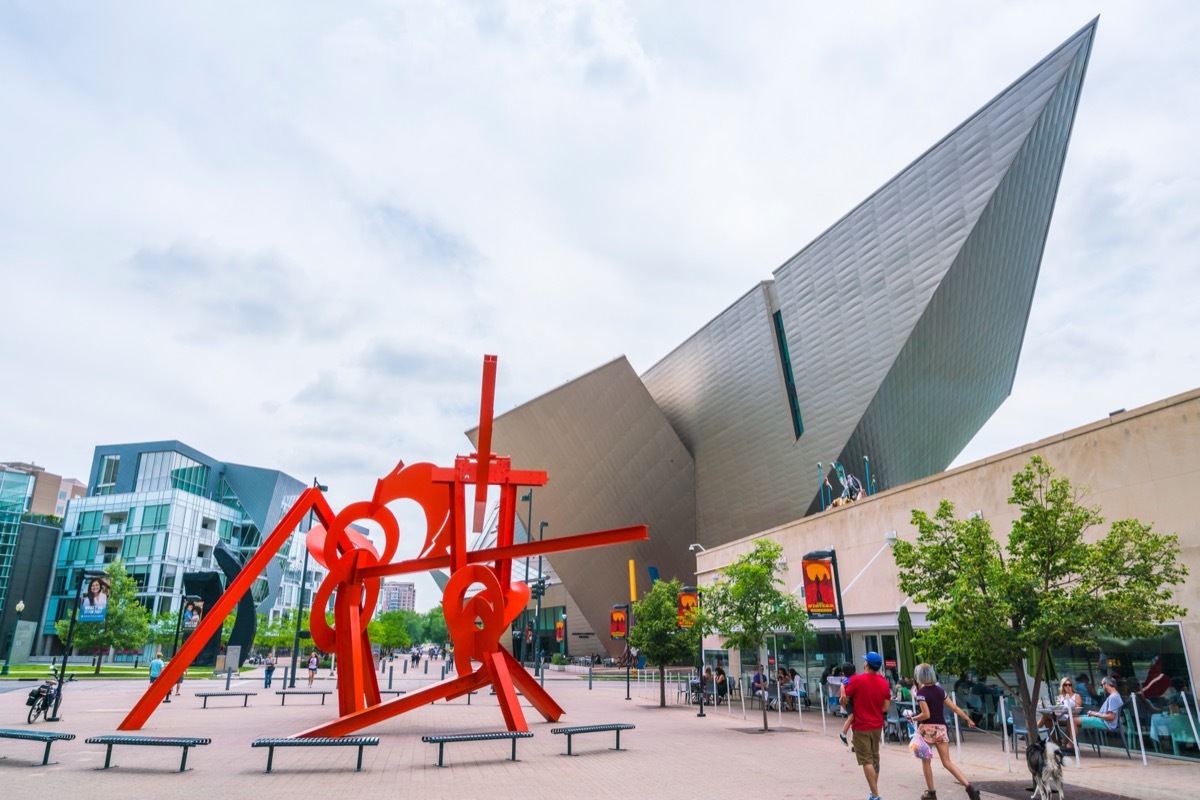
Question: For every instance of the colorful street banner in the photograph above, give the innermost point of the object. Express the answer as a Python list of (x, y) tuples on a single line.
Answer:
[(819, 598), (93, 605), (193, 610), (560, 631), (616, 624), (689, 603)]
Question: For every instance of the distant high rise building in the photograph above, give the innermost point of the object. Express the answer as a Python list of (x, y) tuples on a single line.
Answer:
[(16, 487), (398, 597), (49, 493), (163, 507)]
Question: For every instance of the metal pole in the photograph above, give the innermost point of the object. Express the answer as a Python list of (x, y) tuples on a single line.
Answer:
[(300, 599), (821, 483), (62, 673), (589, 677), (537, 614), (837, 587), (867, 467), (529, 535), (1137, 724), (178, 627), (391, 674), (957, 731), (1004, 729), (8, 659)]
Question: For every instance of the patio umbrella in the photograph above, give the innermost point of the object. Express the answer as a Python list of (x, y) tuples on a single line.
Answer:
[(908, 656)]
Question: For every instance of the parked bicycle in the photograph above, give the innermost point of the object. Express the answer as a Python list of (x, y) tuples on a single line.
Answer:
[(42, 699)]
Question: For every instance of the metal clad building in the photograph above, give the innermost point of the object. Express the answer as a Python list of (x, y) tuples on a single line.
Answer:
[(894, 335)]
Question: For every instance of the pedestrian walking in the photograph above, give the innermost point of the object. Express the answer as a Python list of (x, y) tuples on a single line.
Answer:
[(931, 725), (871, 696), (313, 663), (156, 668), (270, 670)]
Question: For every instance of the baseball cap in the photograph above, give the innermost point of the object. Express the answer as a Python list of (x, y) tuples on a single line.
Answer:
[(873, 659)]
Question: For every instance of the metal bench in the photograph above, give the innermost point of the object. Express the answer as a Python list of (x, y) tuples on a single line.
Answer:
[(148, 741), (442, 740), (38, 736), (283, 696), (244, 695), (615, 726), (393, 691), (344, 741)]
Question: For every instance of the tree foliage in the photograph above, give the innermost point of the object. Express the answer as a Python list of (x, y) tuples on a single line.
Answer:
[(126, 625), (390, 631), (435, 630), (750, 601), (991, 608), (656, 632)]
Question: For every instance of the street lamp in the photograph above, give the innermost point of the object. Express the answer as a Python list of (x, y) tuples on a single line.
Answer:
[(831, 556), (300, 599), (528, 498), (88, 575), (537, 614), (11, 642)]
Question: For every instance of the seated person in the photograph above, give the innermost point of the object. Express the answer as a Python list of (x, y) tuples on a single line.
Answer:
[(785, 685), (1072, 705), (722, 683), (706, 681), (1106, 717), (759, 683)]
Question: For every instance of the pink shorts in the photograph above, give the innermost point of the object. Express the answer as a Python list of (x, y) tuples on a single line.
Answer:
[(933, 734)]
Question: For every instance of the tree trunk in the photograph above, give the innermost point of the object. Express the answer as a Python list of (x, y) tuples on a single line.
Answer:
[(662, 686)]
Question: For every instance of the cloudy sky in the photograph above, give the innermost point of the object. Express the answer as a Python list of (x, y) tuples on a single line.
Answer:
[(286, 233)]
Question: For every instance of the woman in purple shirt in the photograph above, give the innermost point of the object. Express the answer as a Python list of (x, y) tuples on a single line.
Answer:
[(931, 725)]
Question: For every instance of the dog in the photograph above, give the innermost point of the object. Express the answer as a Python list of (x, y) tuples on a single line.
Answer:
[(1045, 761)]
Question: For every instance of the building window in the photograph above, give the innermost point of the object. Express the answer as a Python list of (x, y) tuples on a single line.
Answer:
[(789, 381), (109, 465), (171, 470), (155, 518)]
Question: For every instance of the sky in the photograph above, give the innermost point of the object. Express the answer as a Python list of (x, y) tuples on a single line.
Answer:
[(287, 233)]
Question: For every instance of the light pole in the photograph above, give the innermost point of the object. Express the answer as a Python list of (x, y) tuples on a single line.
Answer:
[(537, 614), (300, 599), (831, 555), (528, 498), (11, 642), (62, 673)]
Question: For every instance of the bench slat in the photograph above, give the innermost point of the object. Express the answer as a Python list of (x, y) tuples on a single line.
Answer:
[(317, 741), (441, 740)]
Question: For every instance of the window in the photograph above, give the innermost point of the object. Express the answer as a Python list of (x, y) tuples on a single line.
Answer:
[(139, 545), (89, 522), (109, 465), (155, 518), (171, 470), (789, 381)]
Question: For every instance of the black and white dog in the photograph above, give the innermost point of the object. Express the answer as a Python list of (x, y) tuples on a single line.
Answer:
[(1045, 761)]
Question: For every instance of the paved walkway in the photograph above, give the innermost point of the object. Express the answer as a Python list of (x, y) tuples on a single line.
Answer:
[(672, 754)]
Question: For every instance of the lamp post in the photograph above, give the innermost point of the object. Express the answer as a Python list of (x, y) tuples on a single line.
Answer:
[(300, 599), (528, 498), (11, 642), (62, 673), (831, 554), (537, 614)]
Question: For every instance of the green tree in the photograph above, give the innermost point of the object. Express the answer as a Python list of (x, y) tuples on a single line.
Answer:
[(435, 626), (389, 631), (414, 625), (656, 632), (161, 629), (992, 609), (126, 625), (750, 601)]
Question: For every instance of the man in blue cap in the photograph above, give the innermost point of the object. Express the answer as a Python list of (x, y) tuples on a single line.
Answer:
[(871, 695)]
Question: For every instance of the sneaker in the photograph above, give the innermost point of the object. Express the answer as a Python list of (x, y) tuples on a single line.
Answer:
[(929, 794), (842, 736), (972, 792)]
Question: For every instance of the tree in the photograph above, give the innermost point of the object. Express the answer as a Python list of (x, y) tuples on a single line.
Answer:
[(126, 624), (746, 604), (389, 631), (435, 626), (656, 632), (161, 629), (992, 609), (414, 625)]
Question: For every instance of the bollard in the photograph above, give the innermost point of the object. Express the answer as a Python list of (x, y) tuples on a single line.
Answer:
[(391, 674), (228, 676), (427, 666), (543, 678), (285, 672), (405, 666), (589, 677), (443, 673)]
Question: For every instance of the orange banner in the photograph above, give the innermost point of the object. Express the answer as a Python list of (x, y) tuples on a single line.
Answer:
[(616, 624), (560, 631), (689, 603), (819, 596)]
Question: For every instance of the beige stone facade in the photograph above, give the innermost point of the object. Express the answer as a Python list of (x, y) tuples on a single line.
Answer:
[(1143, 463)]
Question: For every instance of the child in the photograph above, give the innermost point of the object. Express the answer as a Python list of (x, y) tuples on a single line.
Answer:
[(847, 674)]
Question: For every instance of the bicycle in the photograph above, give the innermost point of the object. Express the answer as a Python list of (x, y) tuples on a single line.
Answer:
[(42, 699)]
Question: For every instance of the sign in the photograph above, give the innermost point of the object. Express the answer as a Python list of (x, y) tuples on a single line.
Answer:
[(193, 610), (890, 663), (616, 624), (559, 630), (819, 598), (529, 633), (689, 604), (93, 605)]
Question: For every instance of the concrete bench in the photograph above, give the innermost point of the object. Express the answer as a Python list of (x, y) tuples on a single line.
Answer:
[(46, 737), (244, 695), (578, 729), (148, 741), (442, 740), (317, 741)]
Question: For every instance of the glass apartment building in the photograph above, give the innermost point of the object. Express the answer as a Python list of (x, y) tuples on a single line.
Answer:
[(162, 507), (15, 490)]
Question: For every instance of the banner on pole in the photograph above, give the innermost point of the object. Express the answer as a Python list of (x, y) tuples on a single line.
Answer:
[(93, 607), (617, 624), (819, 598), (689, 603)]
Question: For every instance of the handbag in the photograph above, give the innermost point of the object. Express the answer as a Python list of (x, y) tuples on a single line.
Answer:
[(919, 747)]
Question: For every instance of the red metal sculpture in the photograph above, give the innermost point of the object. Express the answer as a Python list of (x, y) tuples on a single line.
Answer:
[(356, 567)]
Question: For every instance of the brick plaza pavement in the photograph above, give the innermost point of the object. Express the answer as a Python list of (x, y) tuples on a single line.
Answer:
[(671, 754)]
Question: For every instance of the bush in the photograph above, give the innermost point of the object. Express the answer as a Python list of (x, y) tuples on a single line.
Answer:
[(559, 659)]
